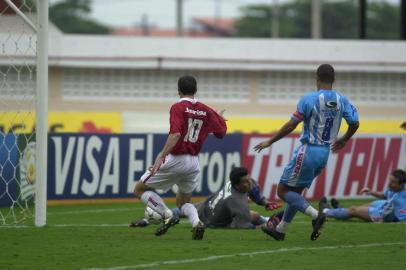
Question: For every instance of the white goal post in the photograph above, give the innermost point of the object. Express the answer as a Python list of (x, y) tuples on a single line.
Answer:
[(42, 114), (23, 80)]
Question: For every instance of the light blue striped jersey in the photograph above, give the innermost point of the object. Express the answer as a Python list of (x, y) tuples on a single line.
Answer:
[(396, 202), (321, 113)]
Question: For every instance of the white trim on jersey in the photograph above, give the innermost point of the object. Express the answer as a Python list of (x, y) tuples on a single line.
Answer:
[(322, 121), (337, 121), (192, 100), (312, 139)]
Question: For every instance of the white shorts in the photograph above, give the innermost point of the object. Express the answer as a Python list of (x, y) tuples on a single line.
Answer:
[(182, 170)]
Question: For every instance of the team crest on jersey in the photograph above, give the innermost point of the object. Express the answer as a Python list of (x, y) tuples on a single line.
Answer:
[(331, 104)]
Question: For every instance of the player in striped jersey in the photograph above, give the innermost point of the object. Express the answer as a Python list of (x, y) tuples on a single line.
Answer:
[(321, 112), (390, 208)]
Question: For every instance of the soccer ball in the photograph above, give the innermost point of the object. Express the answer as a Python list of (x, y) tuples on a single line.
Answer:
[(152, 216)]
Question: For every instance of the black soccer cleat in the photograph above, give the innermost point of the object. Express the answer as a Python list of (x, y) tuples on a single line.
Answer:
[(139, 223), (335, 204), (166, 224), (317, 225), (273, 221), (320, 220), (273, 233), (198, 231), (323, 204)]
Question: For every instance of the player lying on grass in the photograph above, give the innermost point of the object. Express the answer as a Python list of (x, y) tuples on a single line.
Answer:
[(390, 208), (229, 207)]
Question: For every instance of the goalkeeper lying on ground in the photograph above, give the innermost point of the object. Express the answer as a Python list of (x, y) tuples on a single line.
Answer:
[(229, 207)]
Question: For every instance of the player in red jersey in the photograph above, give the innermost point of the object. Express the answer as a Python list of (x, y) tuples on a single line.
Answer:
[(178, 163)]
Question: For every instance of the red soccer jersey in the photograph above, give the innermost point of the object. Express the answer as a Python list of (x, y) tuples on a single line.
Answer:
[(194, 121)]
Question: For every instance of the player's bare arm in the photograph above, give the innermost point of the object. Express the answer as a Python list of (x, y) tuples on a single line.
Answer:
[(171, 142), (219, 124), (286, 129), (367, 191), (340, 142), (221, 113)]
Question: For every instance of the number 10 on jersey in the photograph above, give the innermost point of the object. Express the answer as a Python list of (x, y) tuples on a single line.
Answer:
[(194, 126)]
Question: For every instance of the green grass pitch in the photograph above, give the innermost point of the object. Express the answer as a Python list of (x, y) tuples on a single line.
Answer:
[(97, 237)]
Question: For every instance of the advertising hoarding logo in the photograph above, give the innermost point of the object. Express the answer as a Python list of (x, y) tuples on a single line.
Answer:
[(27, 172), (365, 161)]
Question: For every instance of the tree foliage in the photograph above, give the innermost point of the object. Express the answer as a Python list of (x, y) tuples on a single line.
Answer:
[(339, 20), (383, 21), (71, 16)]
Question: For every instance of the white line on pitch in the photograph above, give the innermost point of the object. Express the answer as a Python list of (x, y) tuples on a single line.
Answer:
[(63, 226), (95, 211), (89, 225), (181, 222), (73, 225), (213, 258)]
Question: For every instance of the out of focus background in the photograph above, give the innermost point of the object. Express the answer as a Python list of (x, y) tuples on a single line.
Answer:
[(114, 65), (84, 110), (120, 60)]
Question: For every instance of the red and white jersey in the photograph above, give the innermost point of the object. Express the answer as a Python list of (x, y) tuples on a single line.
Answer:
[(194, 121)]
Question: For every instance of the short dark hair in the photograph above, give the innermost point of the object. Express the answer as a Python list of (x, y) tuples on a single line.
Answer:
[(400, 175), (325, 73), (236, 174), (187, 85)]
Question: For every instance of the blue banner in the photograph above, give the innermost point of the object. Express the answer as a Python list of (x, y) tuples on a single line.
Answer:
[(8, 169), (107, 166)]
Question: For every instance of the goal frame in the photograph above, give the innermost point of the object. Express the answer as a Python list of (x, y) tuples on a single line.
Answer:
[(41, 134), (41, 126)]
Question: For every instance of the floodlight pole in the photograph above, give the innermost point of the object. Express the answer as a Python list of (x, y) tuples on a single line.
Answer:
[(179, 18), (362, 19), (275, 19), (316, 19), (217, 11), (41, 129), (403, 19)]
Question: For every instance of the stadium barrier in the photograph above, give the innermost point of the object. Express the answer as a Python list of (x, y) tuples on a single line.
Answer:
[(147, 122), (82, 122), (101, 166)]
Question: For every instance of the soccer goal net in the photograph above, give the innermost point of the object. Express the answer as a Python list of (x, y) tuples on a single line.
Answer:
[(23, 113)]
